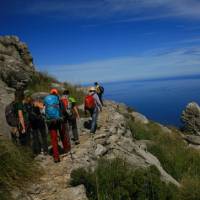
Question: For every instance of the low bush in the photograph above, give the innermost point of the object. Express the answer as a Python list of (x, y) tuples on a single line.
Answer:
[(144, 131), (174, 154), (116, 180), (190, 189), (176, 158), (17, 167), (42, 82)]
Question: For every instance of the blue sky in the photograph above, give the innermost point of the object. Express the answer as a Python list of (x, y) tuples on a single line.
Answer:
[(109, 40)]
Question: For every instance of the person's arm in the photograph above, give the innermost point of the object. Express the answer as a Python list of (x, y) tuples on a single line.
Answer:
[(21, 120), (98, 101)]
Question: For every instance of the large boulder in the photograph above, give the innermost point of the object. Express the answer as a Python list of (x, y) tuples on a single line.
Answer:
[(192, 139), (16, 70), (139, 118), (6, 96), (16, 62), (191, 118)]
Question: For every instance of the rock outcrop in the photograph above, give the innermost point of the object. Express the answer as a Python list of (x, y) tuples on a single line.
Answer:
[(16, 70), (16, 62), (138, 117), (191, 118)]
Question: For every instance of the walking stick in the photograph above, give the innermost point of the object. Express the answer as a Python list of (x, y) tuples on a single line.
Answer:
[(68, 135)]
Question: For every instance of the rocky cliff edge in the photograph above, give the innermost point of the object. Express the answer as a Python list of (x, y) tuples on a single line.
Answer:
[(16, 70)]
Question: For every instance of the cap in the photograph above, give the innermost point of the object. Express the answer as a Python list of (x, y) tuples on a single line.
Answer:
[(54, 91), (92, 89)]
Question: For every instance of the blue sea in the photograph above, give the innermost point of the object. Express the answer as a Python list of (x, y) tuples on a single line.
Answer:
[(161, 100)]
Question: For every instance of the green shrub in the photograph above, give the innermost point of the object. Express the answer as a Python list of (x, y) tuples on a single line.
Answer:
[(190, 189), (171, 150), (144, 131), (175, 157), (116, 180), (16, 167), (42, 82)]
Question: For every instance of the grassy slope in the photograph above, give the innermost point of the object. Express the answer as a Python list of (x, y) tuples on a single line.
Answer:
[(17, 167), (182, 162), (117, 180), (42, 82)]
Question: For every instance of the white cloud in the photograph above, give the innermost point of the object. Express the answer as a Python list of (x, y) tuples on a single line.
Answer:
[(178, 62), (122, 10)]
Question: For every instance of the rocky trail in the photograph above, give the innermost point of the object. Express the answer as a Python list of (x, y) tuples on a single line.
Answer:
[(112, 139)]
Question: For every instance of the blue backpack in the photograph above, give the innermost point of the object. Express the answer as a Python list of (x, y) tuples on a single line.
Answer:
[(52, 107)]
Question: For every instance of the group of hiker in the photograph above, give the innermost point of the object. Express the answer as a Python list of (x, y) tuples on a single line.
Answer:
[(32, 119)]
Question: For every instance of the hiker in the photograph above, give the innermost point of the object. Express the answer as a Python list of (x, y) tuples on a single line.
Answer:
[(22, 117), (37, 126), (54, 121), (71, 114), (94, 106), (99, 91)]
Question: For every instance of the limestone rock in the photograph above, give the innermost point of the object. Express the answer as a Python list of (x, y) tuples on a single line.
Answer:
[(192, 139), (16, 62), (16, 70), (73, 193), (197, 147), (139, 118), (5, 98), (100, 150), (191, 118)]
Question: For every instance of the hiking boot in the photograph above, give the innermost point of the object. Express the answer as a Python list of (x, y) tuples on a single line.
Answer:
[(57, 160), (66, 151), (92, 132), (77, 142)]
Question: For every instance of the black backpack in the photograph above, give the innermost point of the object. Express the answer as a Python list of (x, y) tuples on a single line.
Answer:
[(101, 88), (11, 115), (35, 117)]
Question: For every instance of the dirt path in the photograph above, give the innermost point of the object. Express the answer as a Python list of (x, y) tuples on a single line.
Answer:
[(54, 184)]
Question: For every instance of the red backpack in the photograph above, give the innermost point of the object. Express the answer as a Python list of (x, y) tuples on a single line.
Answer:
[(89, 102), (67, 106), (65, 102)]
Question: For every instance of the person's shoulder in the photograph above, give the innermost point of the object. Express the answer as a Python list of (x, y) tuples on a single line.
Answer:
[(95, 95)]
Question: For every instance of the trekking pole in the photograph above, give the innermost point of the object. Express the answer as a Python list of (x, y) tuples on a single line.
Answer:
[(71, 154), (70, 151)]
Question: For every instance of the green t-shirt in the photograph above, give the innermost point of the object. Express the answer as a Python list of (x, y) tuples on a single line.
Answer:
[(20, 106), (72, 100)]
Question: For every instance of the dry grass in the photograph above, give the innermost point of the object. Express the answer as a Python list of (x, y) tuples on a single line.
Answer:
[(17, 167)]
